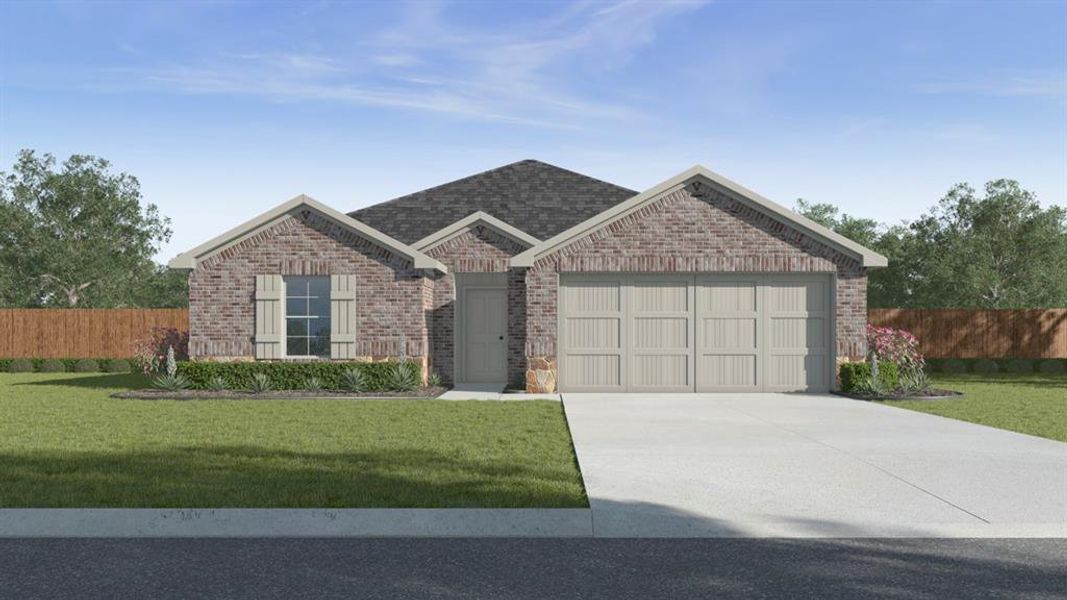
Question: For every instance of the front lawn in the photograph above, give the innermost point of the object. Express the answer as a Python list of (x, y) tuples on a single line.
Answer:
[(65, 443), (1028, 403)]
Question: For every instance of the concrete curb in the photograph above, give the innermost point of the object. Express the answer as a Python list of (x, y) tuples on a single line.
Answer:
[(296, 522)]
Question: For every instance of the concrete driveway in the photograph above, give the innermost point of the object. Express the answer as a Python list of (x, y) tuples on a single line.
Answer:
[(799, 465)]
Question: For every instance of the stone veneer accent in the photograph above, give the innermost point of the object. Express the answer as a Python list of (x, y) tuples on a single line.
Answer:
[(393, 298), (480, 249), (689, 230)]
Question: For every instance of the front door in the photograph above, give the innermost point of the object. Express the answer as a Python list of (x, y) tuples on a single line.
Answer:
[(484, 330)]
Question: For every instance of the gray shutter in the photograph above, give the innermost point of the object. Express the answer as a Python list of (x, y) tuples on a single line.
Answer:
[(269, 311), (342, 316)]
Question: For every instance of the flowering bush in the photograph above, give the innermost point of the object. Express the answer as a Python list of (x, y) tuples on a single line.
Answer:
[(901, 348), (150, 352), (896, 346)]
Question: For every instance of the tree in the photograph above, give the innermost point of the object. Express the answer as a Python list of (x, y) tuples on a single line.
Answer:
[(76, 236), (1001, 250), (863, 231)]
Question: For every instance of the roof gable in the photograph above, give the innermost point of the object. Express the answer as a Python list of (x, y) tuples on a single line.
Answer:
[(703, 176), (470, 222), (190, 258), (535, 197)]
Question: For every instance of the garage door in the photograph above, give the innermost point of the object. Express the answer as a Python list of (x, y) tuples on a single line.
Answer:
[(706, 332)]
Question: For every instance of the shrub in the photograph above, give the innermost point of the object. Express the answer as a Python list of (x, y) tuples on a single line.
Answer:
[(986, 366), (87, 365), (896, 346), (289, 375), (149, 352), (404, 377), (117, 365), (20, 365), (53, 365), (313, 384), (434, 379), (171, 383), (216, 384), (954, 365), (352, 380), (1020, 365), (1053, 366), (260, 383), (856, 378)]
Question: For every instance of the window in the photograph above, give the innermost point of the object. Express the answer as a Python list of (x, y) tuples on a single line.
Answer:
[(307, 316)]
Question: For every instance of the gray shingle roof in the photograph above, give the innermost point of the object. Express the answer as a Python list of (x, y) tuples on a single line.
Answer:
[(536, 197)]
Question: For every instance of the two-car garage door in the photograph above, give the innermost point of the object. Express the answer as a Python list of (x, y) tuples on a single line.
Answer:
[(704, 332)]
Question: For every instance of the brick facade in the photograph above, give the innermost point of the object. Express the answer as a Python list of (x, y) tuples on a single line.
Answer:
[(393, 299), (479, 250), (690, 231), (409, 312)]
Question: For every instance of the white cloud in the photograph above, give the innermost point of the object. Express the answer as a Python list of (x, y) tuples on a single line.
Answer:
[(1050, 85), (530, 73)]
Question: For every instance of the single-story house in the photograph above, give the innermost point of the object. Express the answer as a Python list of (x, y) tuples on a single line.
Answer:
[(537, 275)]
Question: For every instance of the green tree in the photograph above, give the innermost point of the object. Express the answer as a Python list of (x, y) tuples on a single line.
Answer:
[(77, 235), (863, 231), (998, 250)]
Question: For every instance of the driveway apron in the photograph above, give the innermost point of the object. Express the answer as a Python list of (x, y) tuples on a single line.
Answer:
[(807, 465)]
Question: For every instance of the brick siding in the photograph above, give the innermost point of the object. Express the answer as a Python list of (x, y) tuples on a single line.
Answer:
[(693, 231), (393, 298), (479, 250)]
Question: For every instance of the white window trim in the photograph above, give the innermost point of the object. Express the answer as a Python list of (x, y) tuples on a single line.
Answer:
[(285, 324)]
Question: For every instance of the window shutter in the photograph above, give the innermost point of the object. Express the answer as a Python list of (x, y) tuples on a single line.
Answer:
[(269, 316), (342, 316)]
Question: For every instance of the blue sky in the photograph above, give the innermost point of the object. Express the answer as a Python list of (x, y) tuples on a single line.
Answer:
[(226, 109)]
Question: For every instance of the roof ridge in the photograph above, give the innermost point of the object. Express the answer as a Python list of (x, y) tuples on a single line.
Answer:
[(487, 172)]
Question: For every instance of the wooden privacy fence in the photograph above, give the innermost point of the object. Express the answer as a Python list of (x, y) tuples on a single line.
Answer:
[(942, 333), (968, 333), (81, 332)]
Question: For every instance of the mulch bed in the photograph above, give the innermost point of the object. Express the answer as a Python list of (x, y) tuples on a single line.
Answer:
[(927, 394), (153, 394)]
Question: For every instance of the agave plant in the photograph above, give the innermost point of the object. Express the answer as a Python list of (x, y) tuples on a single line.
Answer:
[(216, 384), (352, 380), (404, 377), (313, 384), (434, 379), (260, 383), (170, 383)]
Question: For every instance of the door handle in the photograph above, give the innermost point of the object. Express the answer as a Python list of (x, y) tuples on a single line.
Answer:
[(500, 338)]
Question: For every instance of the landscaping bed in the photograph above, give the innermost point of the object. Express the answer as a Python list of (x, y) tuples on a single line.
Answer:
[(927, 394), (155, 394)]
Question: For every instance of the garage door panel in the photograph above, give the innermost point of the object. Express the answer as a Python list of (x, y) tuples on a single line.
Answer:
[(729, 333), (727, 296), (796, 372), (592, 297), (593, 332), (661, 371), (661, 332), (797, 333), (593, 370), (797, 297), (727, 371), (661, 296)]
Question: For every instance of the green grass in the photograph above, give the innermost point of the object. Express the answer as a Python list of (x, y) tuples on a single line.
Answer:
[(65, 443), (1028, 403)]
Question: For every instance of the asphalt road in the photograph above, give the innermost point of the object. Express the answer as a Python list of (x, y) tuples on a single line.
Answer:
[(531, 568)]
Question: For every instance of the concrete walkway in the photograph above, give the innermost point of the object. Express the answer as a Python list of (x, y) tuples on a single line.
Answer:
[(490, 391), (799, 465)]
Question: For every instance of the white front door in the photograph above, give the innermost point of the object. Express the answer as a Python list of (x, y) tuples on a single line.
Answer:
[(484, 332)]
